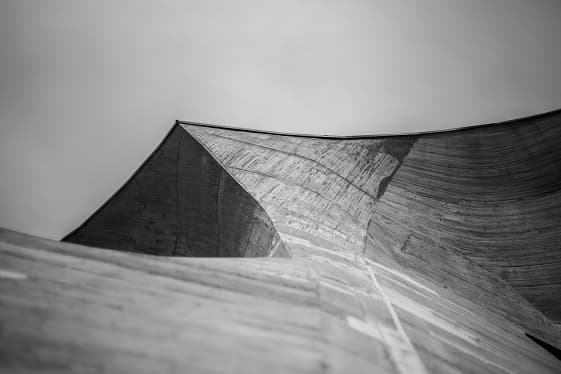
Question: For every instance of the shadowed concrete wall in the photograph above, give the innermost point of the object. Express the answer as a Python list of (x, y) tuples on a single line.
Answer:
[(181, 202)]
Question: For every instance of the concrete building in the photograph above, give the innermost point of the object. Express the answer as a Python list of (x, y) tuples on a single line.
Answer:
[(423, 253)]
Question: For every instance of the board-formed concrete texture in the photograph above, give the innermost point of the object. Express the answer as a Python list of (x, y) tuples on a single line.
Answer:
[(426, 253)]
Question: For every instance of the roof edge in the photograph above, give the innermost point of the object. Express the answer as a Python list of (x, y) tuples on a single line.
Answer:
[(365, 136), (123, 185)]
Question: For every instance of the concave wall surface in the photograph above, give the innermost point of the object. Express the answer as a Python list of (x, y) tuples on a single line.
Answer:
[(488, 197), (431, 253)]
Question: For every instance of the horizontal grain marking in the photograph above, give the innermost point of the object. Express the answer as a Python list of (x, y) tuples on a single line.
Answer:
[(14, 275)]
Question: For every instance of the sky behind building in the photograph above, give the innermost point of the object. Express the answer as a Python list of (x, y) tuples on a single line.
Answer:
[(88, 89)]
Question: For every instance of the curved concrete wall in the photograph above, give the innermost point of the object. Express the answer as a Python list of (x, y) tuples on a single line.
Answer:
[(181, 202), (70, 308), (425, 253), (318, 190), (485, 198), (491, 195)]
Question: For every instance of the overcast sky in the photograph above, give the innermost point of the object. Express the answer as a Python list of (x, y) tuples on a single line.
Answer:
[(89, 88)]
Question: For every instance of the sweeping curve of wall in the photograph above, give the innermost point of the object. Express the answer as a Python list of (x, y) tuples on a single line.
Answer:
[(409, 254), (181, 202), (486, 198)]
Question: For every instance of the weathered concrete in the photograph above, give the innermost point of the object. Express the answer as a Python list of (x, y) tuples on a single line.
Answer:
[(68, 308), (181, 202), (487, 196), (433, 253)]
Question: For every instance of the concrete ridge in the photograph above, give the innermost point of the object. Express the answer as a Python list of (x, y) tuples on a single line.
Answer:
[(368, 136), (123, 186)]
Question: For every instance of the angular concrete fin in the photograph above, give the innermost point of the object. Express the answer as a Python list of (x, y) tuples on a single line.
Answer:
[(181, 202)]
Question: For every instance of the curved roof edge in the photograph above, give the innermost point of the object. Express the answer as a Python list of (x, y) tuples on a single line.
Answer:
[(122, 186), (339, 137)]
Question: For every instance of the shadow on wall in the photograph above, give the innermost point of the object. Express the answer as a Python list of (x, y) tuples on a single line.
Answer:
[(181, 202)]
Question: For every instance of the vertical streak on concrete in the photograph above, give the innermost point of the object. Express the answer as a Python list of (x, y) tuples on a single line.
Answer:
[(219, 194), (247, 242), (177, 205)]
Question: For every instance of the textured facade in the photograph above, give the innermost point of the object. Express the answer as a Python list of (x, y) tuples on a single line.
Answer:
[(429, 253)]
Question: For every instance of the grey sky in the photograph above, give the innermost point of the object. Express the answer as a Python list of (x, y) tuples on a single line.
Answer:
[(88, 88)]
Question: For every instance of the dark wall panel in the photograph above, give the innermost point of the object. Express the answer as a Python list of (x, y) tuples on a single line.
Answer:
[(181, 202)]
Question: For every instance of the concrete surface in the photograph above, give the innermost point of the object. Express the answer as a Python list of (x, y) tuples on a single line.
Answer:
[(429, 253)]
